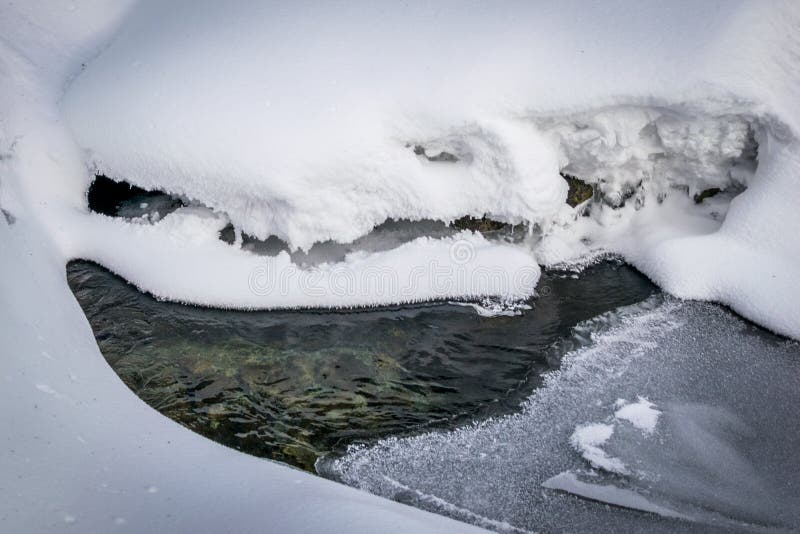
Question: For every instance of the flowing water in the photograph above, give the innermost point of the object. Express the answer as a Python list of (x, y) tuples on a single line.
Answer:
[(296, 385)]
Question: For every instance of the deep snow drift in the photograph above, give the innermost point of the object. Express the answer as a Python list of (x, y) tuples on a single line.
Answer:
[(320, 124)]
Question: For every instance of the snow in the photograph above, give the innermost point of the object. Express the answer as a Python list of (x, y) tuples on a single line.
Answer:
[(181, 258), (751, 262), (300, 122), (608, 494), (588, 439), (316, 139), (613, 155), (642, 414)]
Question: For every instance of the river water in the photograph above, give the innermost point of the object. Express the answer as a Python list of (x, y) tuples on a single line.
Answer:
[(296, 385)]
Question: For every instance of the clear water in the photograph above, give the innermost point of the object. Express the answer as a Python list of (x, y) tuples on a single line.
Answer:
[(296, 385)]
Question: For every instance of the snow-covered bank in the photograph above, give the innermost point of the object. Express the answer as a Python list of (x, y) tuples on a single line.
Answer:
[(319, 123), (80, 451), (182, 258)]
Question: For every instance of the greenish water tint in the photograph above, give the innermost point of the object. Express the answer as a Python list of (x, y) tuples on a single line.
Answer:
[(295, 385)]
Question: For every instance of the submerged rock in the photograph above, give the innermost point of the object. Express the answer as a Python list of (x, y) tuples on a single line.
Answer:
[(579, 191), (482, 225)]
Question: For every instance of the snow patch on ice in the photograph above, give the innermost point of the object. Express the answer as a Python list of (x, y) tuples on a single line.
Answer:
[(642, 414), (588, 441)]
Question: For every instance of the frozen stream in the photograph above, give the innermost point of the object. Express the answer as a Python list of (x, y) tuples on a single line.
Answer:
[(678, 408)]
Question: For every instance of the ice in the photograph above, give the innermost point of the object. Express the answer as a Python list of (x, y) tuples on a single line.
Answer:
[(454, 511), (608, 494), (721, 457)]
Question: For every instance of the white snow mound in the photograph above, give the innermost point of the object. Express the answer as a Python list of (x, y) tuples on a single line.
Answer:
[(320, 123)]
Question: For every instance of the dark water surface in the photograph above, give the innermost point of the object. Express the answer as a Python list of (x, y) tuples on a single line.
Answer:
[(295, 385)]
